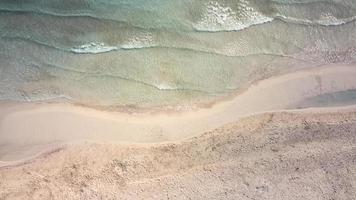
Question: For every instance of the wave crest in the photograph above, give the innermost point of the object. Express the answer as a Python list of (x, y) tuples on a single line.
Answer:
[(93, 47), (325, 20)]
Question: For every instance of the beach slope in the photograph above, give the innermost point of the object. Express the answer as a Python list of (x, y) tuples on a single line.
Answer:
[(268, 156)]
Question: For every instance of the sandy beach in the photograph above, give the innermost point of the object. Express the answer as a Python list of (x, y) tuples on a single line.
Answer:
[(284, 155)]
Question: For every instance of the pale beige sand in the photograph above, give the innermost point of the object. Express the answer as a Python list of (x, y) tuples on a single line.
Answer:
[(270, 156), (27, 129)]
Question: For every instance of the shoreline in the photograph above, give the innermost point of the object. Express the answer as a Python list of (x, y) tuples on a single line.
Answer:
[(174, 108), (32, 123)]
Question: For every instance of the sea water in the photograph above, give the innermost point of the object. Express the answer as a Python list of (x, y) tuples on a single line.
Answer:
[(143, 53), (341, 98)]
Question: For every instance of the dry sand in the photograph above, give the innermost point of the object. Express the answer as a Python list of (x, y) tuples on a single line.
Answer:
[(61, 151), (268, 156)]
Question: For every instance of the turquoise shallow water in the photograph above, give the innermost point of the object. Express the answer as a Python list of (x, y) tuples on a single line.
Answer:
[(160, 52), (331, 99)]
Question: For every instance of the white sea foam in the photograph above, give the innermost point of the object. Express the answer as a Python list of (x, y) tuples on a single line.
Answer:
[(93, 47), (218, 17), (137, 41), (165, 86)]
